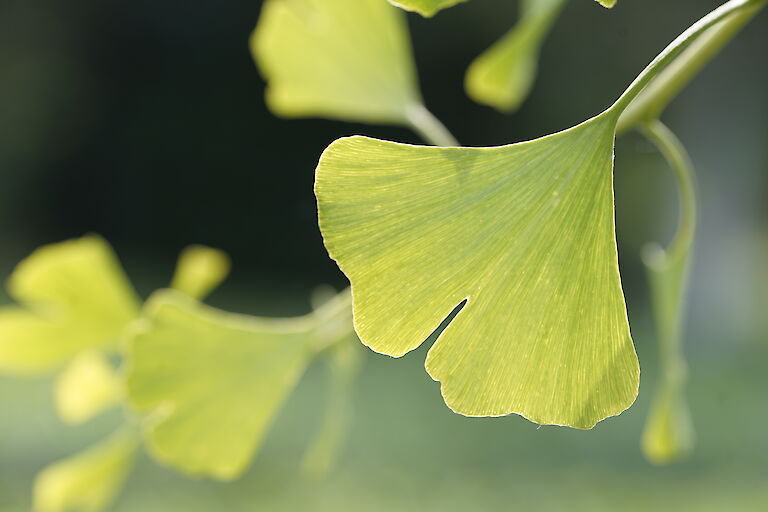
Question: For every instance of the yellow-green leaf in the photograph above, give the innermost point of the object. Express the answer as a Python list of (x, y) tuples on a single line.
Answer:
[(89, 481), (427, 8), (199, 270), (521, 235), (344, 59), (211, 381), (503, 76), (75, 297), (87, 386), (607, 3)]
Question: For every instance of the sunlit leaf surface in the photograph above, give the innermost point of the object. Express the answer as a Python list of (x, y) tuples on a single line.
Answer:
[(503, 75), (89, 481), (211, 381), (199, 270), (75, 297), (607, 3), (522, 234), (425, 7), (87, 386), (345, 59)]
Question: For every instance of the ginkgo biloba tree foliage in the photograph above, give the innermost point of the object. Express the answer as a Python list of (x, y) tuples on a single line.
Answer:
[(504, 256)]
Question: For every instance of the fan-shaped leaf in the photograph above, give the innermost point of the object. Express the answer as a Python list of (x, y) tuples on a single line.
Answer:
[(522, 235), (199, 270), (345, 59), (89, 481), (212, 381), (87, 386), (502, 76), (427, 8), (75, 297)]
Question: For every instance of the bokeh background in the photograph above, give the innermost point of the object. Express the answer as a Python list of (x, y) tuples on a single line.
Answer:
[(144, 121)]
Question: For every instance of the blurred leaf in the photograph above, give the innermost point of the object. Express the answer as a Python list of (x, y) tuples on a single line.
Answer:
[(212, 381), (343, 59), (502, 76), (427, 8), (75, 297), (199, 270), (668, 435), (521, 235), (344, 362), (89, 481), (87, 386)]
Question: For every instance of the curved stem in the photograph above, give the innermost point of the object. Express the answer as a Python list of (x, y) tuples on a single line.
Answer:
[(668, 55), (428, 127), (677, 157), (650, 103)]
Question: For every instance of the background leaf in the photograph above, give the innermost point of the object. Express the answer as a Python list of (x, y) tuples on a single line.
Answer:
[(521, 235), (427, 8), (89, 481), (87, 386), (75, 297), (199, 270), (343, 59), (503, 76), (211, 381)]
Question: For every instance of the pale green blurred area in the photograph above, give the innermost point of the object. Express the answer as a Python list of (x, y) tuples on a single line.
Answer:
[(408, 452), (146, 123)]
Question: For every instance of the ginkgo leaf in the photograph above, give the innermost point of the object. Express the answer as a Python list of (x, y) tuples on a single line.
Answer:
[(212, 382), (75, 297), (607, 3), (502, 76), (199, 270), (344, 59), (87, 386), (521, 235), (89, 481), (427, 8)]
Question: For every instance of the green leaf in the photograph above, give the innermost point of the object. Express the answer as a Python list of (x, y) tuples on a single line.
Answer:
[(522, 235), (87, 386), (607, 3), (200, 269), (212, 382), (426, 8), (75, 297), (343, 59), (502, 76), (89, 481)]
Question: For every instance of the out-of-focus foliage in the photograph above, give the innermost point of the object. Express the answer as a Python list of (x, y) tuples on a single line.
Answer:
[(426, 8), (503, 76), (212, 382), (523, 234), (429, 8), (344, 59), (199, 270), (88, 481), (86, 386), (74, 297)]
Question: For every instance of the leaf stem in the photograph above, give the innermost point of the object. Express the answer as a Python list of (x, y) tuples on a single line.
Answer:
[(677, 157), (428, 127), (683, 41), (650, 103)]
